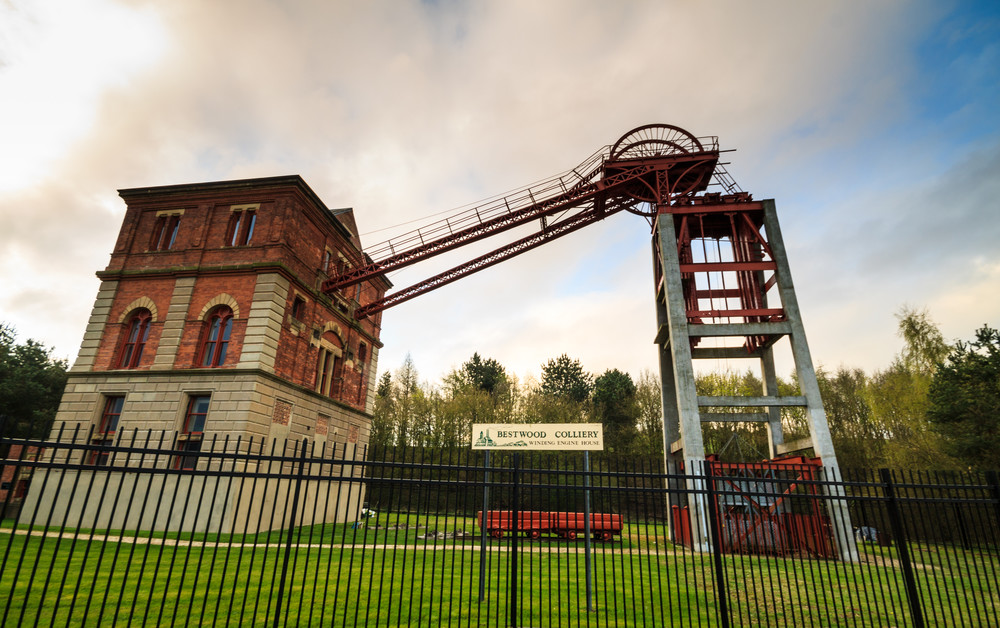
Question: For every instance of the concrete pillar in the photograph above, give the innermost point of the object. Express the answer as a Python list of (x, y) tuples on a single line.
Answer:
[(678, 341), (775, 432), (676, 364), (819, 430)]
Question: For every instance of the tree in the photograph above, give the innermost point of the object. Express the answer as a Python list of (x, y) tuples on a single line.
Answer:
[(383, 415), (31, 385), (563, 377), (478, 392), (650, 409), (857, 437), (400, 407), (615, 407), (898, 397), (487, 375), (923, 345), (964, 400)]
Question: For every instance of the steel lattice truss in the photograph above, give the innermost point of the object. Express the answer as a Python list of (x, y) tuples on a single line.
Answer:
[(651, 169)]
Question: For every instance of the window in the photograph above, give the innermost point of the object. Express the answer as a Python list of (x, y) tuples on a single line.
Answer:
[(218, 327), (241, 226), (104, 436), (327, 368), (298, 308), (164, 233), (362, 356), (136, 334), (192, 432), (327, 257)]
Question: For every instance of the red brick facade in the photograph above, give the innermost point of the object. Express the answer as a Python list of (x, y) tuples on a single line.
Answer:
[(292, 235)]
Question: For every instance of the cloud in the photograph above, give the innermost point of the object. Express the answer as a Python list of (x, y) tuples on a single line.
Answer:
[(931, 245), (54, 73), (406, 109)]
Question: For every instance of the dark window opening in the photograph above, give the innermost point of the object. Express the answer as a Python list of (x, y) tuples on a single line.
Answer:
[(104, 436), (136, 335), (164, 233), (241, 227), (218, 328), (192, 432), (298, 308)]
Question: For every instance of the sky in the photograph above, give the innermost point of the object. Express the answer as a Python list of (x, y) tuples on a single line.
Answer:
[(874, 126)]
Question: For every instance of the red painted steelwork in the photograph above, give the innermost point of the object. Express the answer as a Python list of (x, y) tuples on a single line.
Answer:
[(726, 264), (630, 172), (595, 193), (770, 507), (494, 257)]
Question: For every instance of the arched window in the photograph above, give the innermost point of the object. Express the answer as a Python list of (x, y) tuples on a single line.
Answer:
[(136, 334), (218, 327)]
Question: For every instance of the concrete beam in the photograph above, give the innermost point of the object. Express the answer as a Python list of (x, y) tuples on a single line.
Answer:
[(735, 417), (750, 402), (722, 353), (795, 445), (740, 329), (662, 335)]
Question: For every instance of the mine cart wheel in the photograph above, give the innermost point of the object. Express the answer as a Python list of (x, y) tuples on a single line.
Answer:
[(535, 534), (497, 534), (570, 534)]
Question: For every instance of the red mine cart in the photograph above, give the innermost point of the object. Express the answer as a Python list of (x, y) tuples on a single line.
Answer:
[(565, 524)]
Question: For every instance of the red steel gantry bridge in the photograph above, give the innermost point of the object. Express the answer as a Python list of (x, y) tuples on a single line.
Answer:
[(720, 272)]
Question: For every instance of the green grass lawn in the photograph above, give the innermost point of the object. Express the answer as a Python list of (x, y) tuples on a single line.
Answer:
[(385, 574)]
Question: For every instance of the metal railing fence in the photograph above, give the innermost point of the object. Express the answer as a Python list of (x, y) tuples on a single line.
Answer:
[(305, 533)]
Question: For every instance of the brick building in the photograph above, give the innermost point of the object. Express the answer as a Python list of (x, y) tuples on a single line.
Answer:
[(209, 323)]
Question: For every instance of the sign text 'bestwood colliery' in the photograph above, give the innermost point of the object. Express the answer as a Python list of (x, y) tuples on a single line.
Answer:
[(559, 436)]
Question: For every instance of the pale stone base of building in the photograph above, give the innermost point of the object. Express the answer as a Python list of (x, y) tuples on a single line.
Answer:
[(130, 501), (250, 411)]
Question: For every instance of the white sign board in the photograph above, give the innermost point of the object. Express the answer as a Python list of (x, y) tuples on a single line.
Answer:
[(551, 436)]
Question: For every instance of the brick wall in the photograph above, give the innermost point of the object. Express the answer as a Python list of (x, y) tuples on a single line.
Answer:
[(260, 281)]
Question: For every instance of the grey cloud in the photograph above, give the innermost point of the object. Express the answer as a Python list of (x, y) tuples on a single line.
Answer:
[(405, 109)]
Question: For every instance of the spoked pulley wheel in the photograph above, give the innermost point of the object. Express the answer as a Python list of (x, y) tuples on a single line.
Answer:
[(654, 140)]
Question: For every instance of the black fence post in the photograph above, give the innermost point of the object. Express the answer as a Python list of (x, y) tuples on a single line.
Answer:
[(715, 533), (896, 521), (587, 555), (482, 526), (289, 532), (515, 531)]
